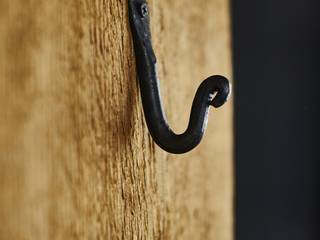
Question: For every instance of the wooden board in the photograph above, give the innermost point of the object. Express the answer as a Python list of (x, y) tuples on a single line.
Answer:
[(76, 160)]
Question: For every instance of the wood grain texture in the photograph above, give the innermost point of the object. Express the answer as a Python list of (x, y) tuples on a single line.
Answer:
[(76, 160)]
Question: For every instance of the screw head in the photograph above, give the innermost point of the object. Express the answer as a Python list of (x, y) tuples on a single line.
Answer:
[(144, 10)]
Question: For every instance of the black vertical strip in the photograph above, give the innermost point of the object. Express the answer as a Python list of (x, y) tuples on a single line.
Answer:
[(276, 48)]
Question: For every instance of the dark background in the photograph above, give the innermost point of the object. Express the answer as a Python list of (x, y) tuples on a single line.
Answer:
[(277, 117)]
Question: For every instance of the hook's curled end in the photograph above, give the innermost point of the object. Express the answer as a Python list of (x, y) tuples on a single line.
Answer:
[(223, 89)]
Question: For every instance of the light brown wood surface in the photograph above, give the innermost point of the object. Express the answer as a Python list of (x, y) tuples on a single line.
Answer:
[(76, 159)]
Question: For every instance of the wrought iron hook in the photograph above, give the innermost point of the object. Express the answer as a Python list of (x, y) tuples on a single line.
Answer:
[(147, 74)]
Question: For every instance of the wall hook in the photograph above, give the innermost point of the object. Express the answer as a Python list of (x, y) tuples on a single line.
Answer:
[(147, 74)]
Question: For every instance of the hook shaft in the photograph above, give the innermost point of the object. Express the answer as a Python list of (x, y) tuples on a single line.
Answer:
[(149, 87)]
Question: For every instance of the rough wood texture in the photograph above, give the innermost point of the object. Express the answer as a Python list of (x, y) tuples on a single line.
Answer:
[(76, 160)]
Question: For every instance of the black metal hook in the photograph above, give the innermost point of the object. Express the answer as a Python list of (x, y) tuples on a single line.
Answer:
[(147, 74)]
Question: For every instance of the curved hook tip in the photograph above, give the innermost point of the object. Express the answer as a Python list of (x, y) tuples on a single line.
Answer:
[(223, 89)]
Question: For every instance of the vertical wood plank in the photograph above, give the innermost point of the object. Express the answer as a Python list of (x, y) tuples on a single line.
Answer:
[(76, 160)]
